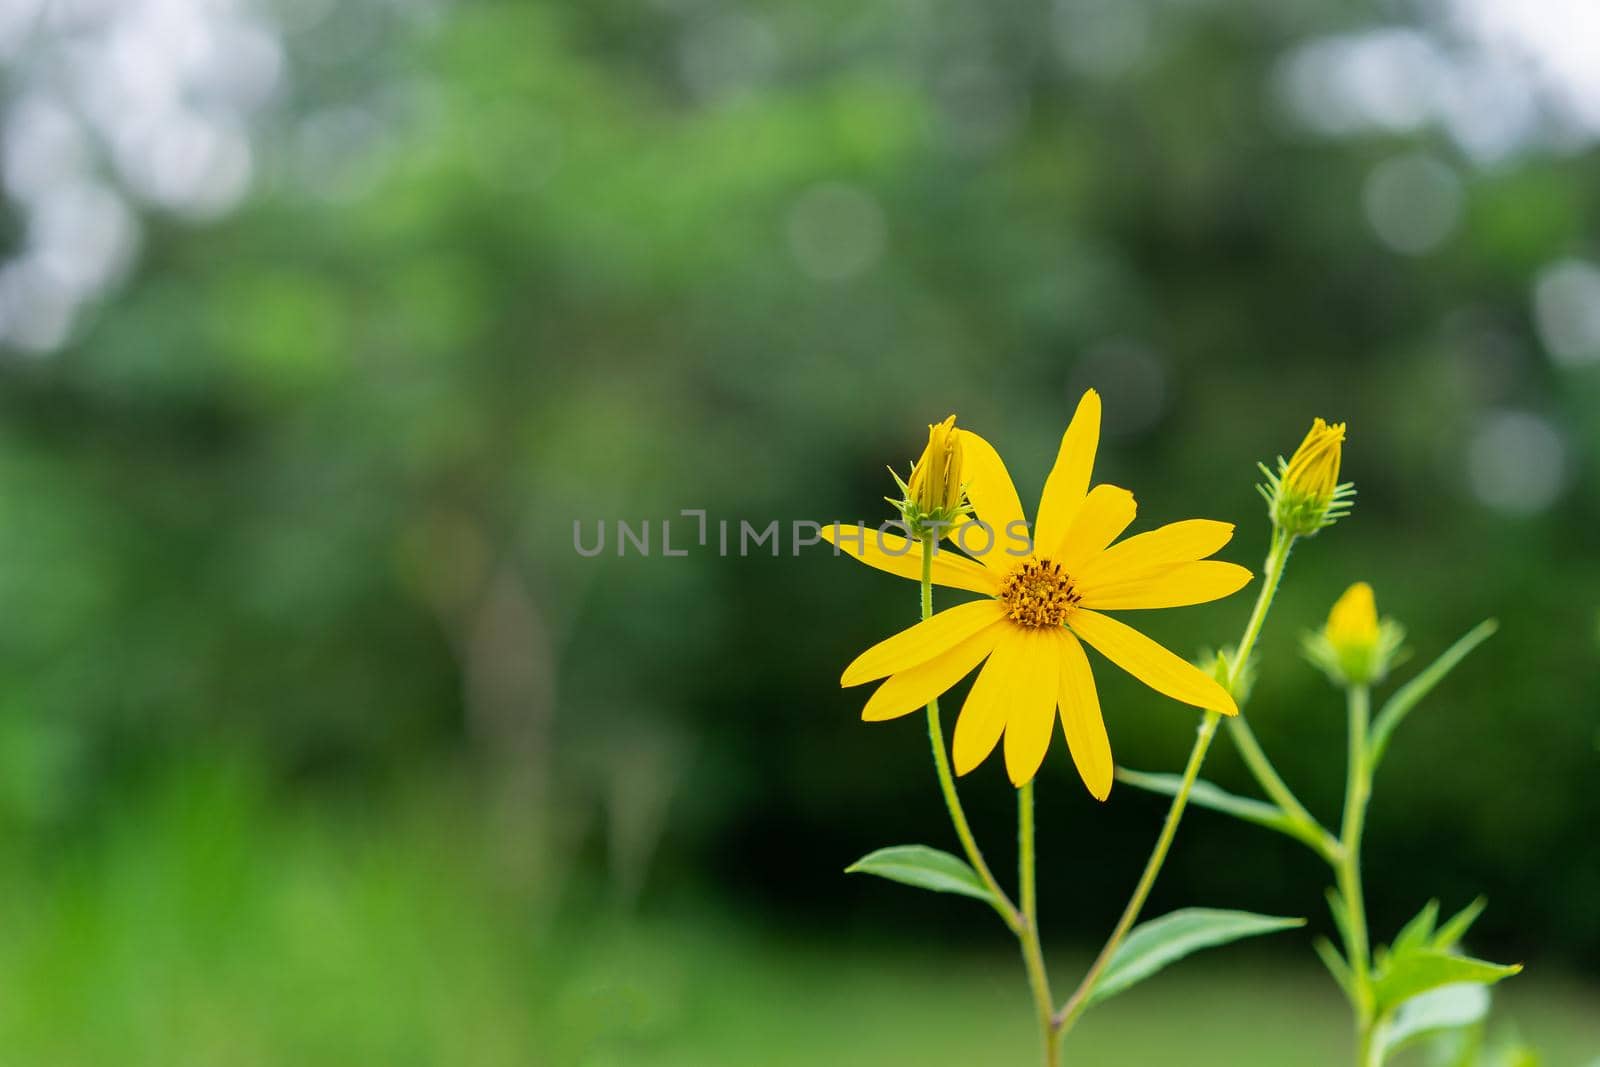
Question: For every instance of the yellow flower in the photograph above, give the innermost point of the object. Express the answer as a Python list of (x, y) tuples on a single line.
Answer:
[(1355, 648), (1305, 494), (1040, 608), (935, 485)]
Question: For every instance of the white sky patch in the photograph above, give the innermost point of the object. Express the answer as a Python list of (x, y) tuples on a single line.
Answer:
[(1555, 42), (1499, 76)]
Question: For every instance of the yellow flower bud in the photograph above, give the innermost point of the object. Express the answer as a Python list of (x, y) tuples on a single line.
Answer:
[(1353, 622), (1313, 470), (1305, 495), (1355, 648), (935, 486)]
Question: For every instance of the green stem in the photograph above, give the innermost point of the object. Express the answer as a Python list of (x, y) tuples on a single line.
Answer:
[(1266, 775), (1358, 787), (1366, 1050), (1272, 574), (1244, 738), (1079, 1000), (1277, 556), (947, 783), (1032, 955)]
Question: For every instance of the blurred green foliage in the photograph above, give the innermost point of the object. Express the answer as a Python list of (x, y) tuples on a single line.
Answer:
[(213, 923), (304, 485)]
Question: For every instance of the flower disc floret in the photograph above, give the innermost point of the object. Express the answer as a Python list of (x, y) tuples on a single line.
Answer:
[(1039, 593)]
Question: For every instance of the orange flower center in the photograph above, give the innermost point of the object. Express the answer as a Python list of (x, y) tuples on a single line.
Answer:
[(1038, 593)]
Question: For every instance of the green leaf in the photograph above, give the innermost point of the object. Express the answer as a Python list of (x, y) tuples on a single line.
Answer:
[(1419, 931), (1335, 963), (1340, 913), (1153, 945), (1456, 927), (1398, 706), (1411, 973), (1206, 795), (1449, 1007), (923, 867)]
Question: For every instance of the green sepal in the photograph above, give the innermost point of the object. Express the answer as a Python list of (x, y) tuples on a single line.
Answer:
[(1365, 665)]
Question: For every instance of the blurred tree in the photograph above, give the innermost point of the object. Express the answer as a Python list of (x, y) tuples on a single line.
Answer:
[(304, 479)]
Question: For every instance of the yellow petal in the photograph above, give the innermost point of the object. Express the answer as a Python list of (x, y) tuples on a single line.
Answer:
[(1106, 512), (1174, 586), (899, 555), (922, 642), (1031, 718), (914, 687), (999, 550), (1069, 479), (1081, 720), (993, 496), (1177, 542), (1147, 661), (983, 716)]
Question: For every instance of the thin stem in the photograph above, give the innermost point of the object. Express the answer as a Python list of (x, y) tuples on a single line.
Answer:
[(1244, 738), (1277, 556), (947, 784), (1266, 775), (1032, 955), (1080, 997), (1272, 574), (1357, 789)]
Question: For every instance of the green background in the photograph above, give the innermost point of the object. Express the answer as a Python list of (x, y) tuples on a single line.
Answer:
[(320, 743)]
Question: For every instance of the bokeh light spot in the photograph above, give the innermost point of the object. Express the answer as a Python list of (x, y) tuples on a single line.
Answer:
[(1516, 463), (1566, 309), (1413, 202), (836, 231)]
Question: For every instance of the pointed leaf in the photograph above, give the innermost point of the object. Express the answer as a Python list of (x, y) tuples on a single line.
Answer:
[(1455, 928), (1417, 972), (1335, 963), (1155, 944), (1206, 795), (1406, 697), (1449, 1007), (923, 867), (1418, 932), (1336, 906)]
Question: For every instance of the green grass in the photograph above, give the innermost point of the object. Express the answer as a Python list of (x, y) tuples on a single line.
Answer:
[(204, 926), (688, 996)]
